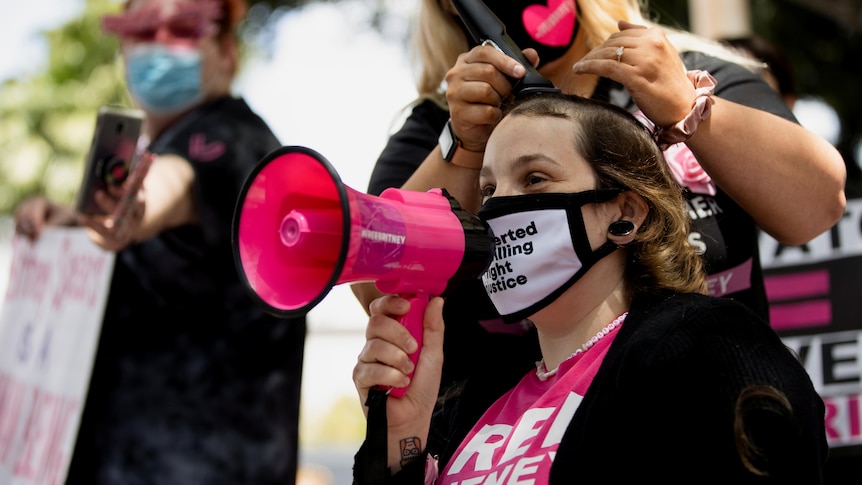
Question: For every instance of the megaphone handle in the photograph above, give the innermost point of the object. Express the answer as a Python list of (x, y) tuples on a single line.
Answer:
[(414, 322)]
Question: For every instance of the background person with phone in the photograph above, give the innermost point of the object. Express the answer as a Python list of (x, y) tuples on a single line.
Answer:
[(192, 381), (112, 153)]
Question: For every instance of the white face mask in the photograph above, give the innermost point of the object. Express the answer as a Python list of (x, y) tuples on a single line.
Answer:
[(541, 249)]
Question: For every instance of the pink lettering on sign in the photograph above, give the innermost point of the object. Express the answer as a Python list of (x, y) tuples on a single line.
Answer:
[(843, 420), (29, 277), (12, 394), (789, 316), (79, 278), (37, 451), (42, 453), (808, 285), (797, 285)]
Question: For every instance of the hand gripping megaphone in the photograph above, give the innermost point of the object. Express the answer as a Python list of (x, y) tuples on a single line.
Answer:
[(298, 231)]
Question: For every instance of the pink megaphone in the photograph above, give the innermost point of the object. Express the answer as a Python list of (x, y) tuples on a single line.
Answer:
[(299, 231)]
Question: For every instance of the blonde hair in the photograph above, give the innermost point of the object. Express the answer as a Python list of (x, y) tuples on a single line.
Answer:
[(435, 45), (438, 39)]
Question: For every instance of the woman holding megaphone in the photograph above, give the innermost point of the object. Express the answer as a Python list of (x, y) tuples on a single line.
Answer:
[(642, 376)]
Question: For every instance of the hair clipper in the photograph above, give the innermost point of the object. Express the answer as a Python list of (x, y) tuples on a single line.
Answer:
[(486, 28)]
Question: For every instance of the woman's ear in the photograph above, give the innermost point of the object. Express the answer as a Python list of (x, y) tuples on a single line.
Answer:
[(633, 210)]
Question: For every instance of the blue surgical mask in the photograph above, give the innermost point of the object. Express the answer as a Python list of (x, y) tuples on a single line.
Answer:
[(164, 79)]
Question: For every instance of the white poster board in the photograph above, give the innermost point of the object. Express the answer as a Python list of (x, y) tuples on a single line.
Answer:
[(50, 321)]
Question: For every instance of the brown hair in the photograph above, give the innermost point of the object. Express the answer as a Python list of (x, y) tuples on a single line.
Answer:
[(624, 154), (757, 404)]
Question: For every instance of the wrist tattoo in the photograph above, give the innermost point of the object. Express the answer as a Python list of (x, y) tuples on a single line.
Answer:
[(411, 450)]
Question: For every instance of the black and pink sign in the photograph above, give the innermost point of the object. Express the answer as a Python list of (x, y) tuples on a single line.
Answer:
[(815, 298)]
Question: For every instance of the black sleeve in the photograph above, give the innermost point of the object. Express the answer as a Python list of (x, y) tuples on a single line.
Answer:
[(745, 365), (408, 147), (739, 84), (413, 473)]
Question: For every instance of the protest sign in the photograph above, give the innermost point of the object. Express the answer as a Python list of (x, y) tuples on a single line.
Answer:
[(815, 302), (50, 321)]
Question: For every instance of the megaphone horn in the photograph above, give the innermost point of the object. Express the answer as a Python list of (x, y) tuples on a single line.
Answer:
[(298, 231)]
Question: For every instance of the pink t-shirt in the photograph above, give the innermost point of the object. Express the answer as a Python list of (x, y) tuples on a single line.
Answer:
[(516, 440)]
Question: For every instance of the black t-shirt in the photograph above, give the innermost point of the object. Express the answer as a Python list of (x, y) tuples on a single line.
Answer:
[(719, 225), (193, 382)]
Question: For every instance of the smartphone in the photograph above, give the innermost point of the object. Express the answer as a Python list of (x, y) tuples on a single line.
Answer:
[(111, 154), (139, 170), (486, 28)]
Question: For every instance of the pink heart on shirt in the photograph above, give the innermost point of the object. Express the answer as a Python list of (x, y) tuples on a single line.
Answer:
[(551, 24), (201, 151)]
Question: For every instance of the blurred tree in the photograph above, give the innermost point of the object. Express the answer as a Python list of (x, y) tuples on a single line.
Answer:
[(259, 28), (47, 119)]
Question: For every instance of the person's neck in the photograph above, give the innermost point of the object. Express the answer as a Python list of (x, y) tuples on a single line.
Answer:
[(560, 71), (582, 311), (157, 123)]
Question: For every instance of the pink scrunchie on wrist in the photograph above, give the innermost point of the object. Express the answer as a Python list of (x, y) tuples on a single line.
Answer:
[(682, 130)]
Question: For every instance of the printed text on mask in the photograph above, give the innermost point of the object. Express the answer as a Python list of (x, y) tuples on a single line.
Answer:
[(509, 244)]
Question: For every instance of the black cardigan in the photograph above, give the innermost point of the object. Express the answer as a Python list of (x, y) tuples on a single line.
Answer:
[(661, 407)]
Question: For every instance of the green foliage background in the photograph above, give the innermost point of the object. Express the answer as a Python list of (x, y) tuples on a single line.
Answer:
[(47, 119)]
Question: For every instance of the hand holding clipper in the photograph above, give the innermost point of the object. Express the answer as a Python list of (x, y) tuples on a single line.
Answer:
[(486, 28)]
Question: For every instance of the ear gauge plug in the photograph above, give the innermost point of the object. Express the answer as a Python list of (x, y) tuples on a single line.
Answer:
[(621, 228)]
